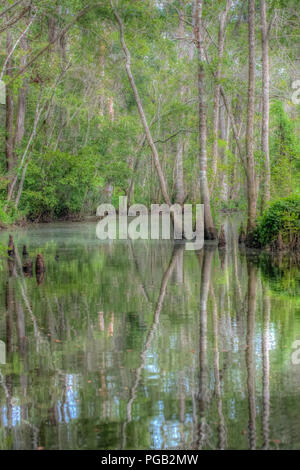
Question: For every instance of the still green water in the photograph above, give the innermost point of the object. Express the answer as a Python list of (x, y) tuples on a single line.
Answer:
[(137, 345)]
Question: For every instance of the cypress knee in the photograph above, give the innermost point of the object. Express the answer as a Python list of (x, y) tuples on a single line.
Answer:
[(25, 252), (40, 277), (40, 264)]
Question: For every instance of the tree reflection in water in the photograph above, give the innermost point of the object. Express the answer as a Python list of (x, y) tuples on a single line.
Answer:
[(143, 345)]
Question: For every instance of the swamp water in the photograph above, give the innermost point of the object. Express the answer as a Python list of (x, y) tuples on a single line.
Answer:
[(137, 345)]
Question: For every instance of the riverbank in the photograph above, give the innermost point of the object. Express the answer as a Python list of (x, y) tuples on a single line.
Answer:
[(277, 230), (28, 223)]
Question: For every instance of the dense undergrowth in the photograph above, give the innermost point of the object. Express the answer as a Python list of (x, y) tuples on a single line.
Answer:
[(279, 227)]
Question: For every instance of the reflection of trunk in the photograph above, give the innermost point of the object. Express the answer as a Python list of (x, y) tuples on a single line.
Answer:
[(21, 333), (266, 368), (10, 307), (182, 398), (142, 284), (250, 352), (23, 290), (179, 268), (224, 300), (222, 430), (20, 327), (210, 232), (162, 293), (11, 267), (203, 377), (238, 296)]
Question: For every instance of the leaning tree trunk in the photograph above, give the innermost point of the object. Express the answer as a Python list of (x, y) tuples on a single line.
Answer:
[(162, 182), (210, 232), (265, 104), (250, 164)]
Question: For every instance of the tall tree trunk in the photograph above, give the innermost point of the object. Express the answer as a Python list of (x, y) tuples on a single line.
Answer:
[(179, 180), (135, 167), (110, 109), (265, 103), (221, 42), (108, 192), (210, 232), (9, 141), (224, 133), (21, 110), (250, 164), (102, 74)]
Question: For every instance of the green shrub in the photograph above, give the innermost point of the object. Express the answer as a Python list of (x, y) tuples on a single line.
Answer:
[(281, 218), (8, 216), (56, 184)]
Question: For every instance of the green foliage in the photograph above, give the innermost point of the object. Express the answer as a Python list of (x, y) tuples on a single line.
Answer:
[(56, 184), (285, 152), (282, 274), (89, 109), (281, 217), (115, 144), (8, 216)]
